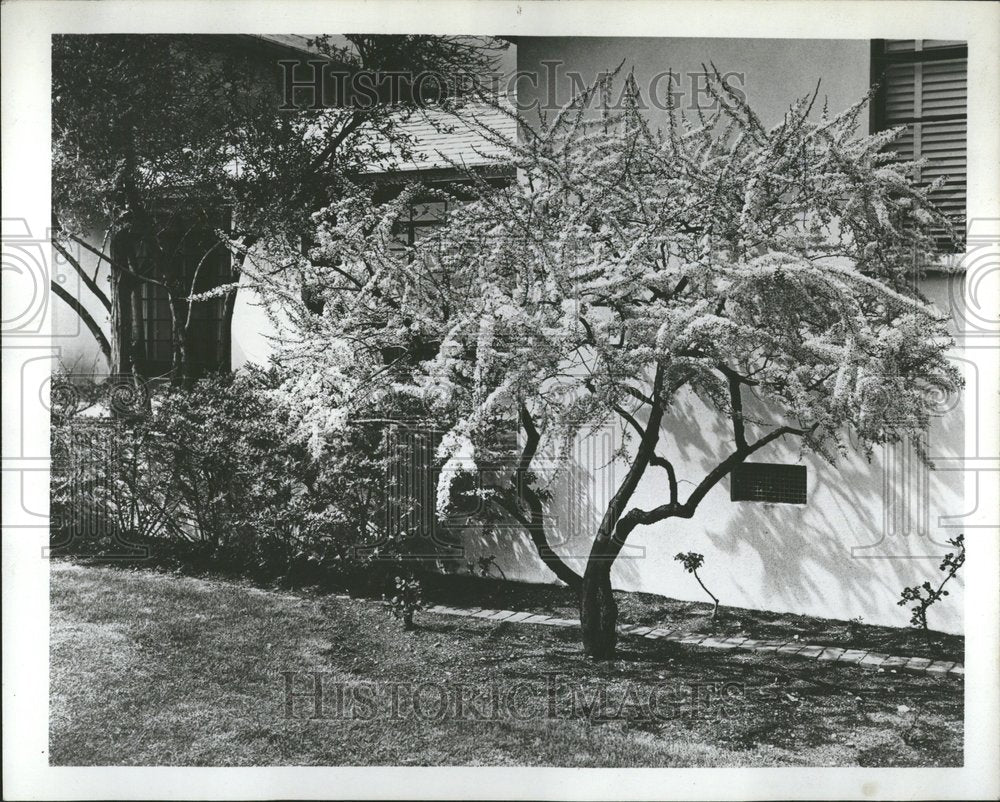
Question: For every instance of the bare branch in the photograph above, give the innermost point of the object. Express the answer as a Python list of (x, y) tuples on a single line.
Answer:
[(87, 319), (88, 282), (668, 466), (636, 517), (117, 265)]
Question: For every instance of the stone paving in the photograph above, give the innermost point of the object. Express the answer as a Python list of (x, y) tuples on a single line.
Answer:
[(811, 651)]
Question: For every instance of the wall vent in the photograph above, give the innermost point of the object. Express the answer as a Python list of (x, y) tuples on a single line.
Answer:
[(770, 482)]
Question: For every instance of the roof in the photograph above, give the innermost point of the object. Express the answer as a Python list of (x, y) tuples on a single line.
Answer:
[(293, 45), (444, 139), (441, 140), (292, 41)]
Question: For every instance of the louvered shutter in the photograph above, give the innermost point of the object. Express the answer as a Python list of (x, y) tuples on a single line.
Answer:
[(924, 87)]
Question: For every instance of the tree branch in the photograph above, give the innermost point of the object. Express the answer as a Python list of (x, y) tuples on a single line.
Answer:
[(117, 265), (534, 522), (668, 466), (88, 282), (632, 391), (628, 417), (736, 412), (87, 319), (636, 517)]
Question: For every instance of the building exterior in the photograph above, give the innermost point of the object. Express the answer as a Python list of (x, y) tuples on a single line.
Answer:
[(839, 542)]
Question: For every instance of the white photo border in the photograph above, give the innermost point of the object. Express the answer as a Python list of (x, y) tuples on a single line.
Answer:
[(27, 27)]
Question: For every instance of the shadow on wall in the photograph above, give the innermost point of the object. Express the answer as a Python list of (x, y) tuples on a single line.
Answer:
[(868, 529)]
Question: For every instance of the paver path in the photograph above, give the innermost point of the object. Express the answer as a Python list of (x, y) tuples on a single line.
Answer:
[(798, 648)]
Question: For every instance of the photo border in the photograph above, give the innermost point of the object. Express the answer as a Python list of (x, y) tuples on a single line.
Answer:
[(26, 29)]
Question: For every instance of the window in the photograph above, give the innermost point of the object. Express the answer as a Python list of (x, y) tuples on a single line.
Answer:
[(922, 85), (423, 217), (196, 261)]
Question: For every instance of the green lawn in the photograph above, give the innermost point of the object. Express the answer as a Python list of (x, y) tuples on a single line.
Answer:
[(158, 669)]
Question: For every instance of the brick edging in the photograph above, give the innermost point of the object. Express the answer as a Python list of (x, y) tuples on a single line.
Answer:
[(814, 651)]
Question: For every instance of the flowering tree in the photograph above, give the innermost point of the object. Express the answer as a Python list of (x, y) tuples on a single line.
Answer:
[(770, 272)]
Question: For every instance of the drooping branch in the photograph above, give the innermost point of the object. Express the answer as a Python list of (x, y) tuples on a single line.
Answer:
[(88, 282), (88, 320)]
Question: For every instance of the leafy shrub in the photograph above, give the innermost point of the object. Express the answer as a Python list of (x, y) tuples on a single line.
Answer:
[(213, 475), (107, 494), (104, 502)]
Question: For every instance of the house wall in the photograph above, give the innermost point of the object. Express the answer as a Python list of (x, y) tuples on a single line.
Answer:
[(771, 73), (252, 329)]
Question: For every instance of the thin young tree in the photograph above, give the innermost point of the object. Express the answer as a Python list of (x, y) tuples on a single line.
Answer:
[(767, 271)]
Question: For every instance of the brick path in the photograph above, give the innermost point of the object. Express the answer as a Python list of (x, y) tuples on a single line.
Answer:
[(797, 648)]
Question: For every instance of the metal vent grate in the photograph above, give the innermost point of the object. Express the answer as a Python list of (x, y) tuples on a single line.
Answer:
[(773, 483)]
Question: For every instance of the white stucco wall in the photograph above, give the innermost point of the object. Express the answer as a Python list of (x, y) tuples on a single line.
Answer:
[(252, 330), (867, 530)]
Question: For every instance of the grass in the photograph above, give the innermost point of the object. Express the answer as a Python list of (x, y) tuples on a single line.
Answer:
[(158, 669)]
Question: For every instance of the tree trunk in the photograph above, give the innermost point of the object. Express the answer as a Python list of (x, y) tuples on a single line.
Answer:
[(127, 337), (182, 373), (598, 612), (121, 318), (226, 336)]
